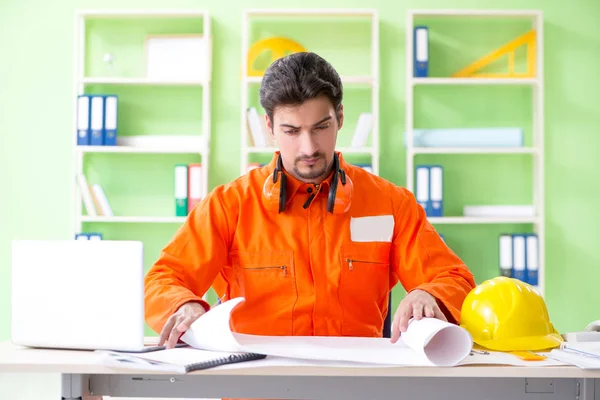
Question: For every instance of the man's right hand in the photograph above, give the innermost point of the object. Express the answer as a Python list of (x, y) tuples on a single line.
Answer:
[(180, 322)]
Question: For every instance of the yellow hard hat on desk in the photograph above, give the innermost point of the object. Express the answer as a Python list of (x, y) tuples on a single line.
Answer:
[(506, 314)]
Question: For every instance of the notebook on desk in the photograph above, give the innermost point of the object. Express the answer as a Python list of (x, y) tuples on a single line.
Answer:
[(179, 360), (76, 294)]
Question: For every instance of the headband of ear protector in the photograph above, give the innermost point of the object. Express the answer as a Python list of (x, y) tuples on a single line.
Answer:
[(338, 199)]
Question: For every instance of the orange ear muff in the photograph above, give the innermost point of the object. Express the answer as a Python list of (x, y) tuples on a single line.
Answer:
[(339, 198), (274, 189)]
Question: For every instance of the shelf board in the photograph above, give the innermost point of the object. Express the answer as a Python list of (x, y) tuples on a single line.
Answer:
[(160, 220), (133, 149), (475, 13), (343, 150), (473, 150), (141, 81), (348, 79), (483, 220), (475, 81), (296, 12), (133, 13)]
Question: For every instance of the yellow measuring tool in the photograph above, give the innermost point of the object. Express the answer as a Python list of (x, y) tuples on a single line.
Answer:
[(528, 39), (527, 355), (278, 46)]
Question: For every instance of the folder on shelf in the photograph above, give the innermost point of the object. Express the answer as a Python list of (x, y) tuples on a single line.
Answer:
[(488, 137), (194, 185), (519, 258), (181, 190), (436, 177), (506, 256), (362, 130), (259, 136), (84, 131), (422, 184), (86, 195), (110, 120), (97, 121), (532, 263), (421, 51), (88, 236), (100, 197)]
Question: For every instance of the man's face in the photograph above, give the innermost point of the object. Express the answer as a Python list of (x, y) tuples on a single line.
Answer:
[(306, 135)]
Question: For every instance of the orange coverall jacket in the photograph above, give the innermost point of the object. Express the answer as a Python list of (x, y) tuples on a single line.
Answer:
[(300, 271)]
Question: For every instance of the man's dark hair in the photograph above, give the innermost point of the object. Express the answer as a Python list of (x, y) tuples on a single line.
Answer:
[(295, 78)]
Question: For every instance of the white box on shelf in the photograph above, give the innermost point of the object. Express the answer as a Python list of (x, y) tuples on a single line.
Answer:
[(176, 57)]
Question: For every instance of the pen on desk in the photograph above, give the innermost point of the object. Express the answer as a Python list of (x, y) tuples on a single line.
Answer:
[(479, 352)]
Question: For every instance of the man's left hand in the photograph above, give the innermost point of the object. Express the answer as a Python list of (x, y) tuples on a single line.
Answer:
[(417, 304)]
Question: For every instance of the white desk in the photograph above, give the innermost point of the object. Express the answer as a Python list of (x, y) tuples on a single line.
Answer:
[(81, 374)]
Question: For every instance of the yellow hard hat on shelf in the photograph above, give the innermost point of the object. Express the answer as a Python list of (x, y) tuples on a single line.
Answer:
[(506, 314)]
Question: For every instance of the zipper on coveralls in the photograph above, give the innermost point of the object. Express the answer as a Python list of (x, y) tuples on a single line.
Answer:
[(283, 268), (350, 261)]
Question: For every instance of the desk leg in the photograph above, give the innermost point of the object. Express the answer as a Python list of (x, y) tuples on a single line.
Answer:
[(75, 386), (588, 389)]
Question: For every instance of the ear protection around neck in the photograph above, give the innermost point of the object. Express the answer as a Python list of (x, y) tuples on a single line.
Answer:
[(338, 199)]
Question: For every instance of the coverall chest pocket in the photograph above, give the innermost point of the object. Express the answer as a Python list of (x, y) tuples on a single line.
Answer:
[(364, 286), (267, 280)]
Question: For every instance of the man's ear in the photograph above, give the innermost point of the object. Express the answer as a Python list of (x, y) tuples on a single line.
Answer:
[(269, 125), (341, 117)]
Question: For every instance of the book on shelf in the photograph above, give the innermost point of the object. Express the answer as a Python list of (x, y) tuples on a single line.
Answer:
[(188, 185), (94, 199), (364, 126), (257, 128)]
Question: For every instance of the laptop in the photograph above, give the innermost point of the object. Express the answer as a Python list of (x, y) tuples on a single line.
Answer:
[(76, 294)]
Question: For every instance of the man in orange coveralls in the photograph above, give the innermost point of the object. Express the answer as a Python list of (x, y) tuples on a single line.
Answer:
[(313, 243)]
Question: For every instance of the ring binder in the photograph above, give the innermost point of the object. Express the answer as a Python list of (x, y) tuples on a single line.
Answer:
[(182, 360), (231, 359)]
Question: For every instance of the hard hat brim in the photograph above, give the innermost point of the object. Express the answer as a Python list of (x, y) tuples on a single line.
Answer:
[(532, 343)]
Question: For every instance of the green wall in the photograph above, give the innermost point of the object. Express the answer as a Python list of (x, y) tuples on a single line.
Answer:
[(36, 116)]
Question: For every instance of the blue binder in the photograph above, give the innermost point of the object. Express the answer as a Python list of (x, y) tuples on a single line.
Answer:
[(505, 253), (97, 120), (436, 178), (532, 262), (110, 119), (421, 51), (519, 257), (422, 188), (88, 236), (83, 120)]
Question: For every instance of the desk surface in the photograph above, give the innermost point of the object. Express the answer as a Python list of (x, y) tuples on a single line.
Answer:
[(28, 360)]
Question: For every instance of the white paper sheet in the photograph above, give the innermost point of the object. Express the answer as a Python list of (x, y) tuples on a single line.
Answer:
[(427, 342)]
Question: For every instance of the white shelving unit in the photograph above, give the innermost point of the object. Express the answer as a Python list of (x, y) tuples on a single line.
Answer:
[(370, 81), (536, 150), (81, 82)]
